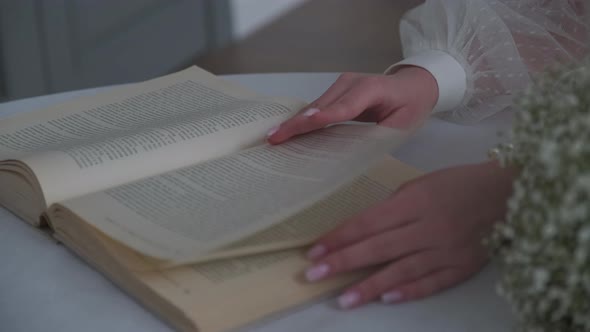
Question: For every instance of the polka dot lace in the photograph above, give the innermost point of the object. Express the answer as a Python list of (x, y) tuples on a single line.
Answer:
[(500, 44)]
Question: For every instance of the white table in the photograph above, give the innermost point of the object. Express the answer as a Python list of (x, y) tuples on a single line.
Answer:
[(44, 287)]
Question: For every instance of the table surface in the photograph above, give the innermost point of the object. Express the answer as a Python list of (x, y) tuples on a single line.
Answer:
[(45, 287)]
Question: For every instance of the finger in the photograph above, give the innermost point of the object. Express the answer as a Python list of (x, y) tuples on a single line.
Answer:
[(340, 86), (396, 211), (393, 276), (380, 248), (427, 285), (364, 94)]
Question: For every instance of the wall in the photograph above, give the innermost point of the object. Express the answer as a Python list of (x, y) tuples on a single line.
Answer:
[(250, 15)]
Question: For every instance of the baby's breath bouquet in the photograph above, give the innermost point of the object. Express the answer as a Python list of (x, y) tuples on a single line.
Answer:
[(544, 245)]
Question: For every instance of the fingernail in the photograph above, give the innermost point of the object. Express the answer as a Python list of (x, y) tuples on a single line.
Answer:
[(272, 131), (310, 112), (316, 251), (391, 297), (317, 272), (348, 300)]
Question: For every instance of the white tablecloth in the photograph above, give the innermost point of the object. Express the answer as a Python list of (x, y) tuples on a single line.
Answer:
[(44, 287)]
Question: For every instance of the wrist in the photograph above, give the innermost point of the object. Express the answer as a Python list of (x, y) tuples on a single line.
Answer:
[(501, 179), (490, 184), (427, 87)]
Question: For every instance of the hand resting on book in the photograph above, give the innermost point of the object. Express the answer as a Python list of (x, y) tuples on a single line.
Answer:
[(401, 100), (426, 237)]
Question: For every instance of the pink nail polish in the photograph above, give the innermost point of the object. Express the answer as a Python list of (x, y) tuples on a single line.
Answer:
[(348, 299), (316, 251), (391, 297), (317, 272), (272, 131), (310, 112)]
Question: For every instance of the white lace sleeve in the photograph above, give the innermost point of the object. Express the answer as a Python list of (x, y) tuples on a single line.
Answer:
[(499, 45)]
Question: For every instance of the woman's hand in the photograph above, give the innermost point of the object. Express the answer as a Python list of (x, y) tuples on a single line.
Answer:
[(401, 100), (426, 237)]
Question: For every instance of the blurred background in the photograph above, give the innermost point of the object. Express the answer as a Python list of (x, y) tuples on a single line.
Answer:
[(48, 46)]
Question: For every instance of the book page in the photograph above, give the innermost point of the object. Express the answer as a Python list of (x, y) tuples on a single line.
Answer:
[(181, 216), (137, 131), (308, 224)]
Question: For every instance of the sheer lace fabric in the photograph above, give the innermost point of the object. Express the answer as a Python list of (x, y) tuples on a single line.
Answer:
[(500, 44)]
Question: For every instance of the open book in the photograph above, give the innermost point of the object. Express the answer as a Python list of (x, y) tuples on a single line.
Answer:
[(169, 189)]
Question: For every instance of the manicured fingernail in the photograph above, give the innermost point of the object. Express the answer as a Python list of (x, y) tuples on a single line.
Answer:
[(272, 131), (310, 112), (348, 300), (391, 297), (317, 272), (316, 251)]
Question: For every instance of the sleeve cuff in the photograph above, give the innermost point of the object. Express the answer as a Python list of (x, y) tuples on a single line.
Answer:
[(448, 73)]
